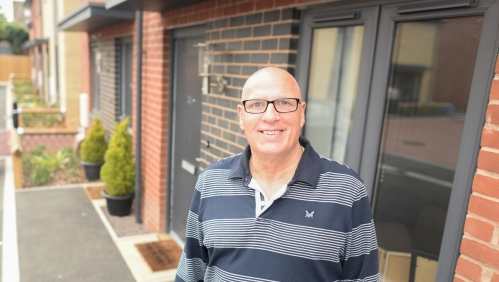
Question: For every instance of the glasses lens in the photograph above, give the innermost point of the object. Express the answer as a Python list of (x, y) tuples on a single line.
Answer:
[(286, 105), (255, 106)]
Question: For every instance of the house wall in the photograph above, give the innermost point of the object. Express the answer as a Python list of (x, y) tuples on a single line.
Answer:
[(219, 118), (243, 44), (70, 66), (107, 42), (50, 32), (245, 33), (36, 31), (480, 245)]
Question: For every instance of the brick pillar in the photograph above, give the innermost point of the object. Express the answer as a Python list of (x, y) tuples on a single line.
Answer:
[(479, 259)]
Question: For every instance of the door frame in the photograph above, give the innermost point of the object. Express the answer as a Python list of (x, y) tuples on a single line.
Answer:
[(378, 83), (184, 32)]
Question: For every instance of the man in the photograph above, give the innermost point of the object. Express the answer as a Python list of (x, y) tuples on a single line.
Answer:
[(278, 211)]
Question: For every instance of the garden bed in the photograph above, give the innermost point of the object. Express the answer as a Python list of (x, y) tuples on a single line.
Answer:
[(45, 168)]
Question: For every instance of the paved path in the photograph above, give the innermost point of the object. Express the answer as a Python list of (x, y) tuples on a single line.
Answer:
[(61, 238)]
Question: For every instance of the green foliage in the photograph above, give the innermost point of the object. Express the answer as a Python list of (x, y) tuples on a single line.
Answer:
[(119, 170), (15, 33), (23, 90), (41, 119), (24, 93), (40, 165), (94, 147)]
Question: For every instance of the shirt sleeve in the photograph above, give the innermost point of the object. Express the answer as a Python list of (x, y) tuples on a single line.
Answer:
[(361, 250), (194, 259)]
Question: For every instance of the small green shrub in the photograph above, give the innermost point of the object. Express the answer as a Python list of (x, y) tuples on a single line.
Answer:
[(119, 170), (40, 165), (94, 146)]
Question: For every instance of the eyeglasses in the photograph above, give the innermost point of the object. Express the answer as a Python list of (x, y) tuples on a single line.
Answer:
[(258, 106)]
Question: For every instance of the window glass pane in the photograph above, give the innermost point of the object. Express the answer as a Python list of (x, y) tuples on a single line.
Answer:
[(95, 61), (126, 81), (430, 79), (334, 71)]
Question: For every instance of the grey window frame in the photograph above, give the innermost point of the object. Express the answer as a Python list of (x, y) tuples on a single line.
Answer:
[(95, 80), (122, 100), (377, 84), (474, 123), (355, 16)]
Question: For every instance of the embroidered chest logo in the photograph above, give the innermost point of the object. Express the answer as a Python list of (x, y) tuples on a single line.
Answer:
[(309, 214)]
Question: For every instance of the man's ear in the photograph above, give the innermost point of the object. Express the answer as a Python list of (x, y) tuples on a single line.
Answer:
[(240, 113), (302, 115)]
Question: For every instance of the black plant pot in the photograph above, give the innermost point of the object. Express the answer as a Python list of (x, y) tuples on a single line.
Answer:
[(118, 205), (92, 170)]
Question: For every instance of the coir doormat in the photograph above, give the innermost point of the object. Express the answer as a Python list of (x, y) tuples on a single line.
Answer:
[(93, 192), (160, 255)]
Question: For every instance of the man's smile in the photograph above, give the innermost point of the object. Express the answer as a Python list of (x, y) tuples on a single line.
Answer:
[(271, 132)]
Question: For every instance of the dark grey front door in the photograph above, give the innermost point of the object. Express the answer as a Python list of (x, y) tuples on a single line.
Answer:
[(186, 126)]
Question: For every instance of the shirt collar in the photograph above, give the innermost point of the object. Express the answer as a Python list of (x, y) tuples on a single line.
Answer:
[(308, 169)]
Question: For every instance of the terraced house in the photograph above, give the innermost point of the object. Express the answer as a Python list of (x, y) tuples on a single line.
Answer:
[(404, 92)]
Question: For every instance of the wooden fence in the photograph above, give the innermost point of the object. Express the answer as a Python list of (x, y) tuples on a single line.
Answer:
[(18, 64)]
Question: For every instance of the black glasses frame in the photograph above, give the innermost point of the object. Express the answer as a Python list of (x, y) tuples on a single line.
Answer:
[(271, 102)]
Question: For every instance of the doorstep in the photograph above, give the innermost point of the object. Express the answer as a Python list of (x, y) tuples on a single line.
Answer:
[(134, 260)]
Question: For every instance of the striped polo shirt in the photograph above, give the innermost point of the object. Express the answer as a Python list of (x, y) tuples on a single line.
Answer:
[(320, 229)]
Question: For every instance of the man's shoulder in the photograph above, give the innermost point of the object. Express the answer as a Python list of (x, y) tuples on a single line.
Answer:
[(225, 163), (331, 166)]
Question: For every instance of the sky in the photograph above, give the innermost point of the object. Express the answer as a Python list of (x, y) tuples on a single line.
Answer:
[(7, 9)]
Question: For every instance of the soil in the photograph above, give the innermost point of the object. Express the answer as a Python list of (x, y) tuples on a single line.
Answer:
[(60, 179)]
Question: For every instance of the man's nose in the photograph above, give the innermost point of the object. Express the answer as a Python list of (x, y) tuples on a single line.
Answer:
[(270, 114)]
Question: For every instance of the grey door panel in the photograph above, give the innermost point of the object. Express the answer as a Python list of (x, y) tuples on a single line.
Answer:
[(186, 130)]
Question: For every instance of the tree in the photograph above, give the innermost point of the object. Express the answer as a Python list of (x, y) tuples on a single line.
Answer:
[(15, 33)]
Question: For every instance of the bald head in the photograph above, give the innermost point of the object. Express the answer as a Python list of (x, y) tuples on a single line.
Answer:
[(271, 79)]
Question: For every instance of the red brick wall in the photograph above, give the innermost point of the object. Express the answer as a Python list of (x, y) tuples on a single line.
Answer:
[(53, 142), (479, 259), (155, 96)]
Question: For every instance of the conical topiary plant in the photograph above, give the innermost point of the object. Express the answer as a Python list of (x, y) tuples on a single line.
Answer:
[(119, 170), (94, 146), (93, 149)]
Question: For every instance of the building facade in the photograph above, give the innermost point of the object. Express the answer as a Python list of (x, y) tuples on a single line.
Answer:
[(404, 92), (56, 57)]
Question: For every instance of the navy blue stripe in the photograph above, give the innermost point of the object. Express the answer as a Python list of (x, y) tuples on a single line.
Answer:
[(273, 266), (194, 250), (227, 207)]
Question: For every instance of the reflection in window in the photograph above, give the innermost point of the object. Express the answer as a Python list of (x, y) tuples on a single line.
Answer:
[(334, 71), (430, 80)]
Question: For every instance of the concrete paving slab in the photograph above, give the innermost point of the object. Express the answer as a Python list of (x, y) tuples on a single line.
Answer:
[(4, 143), (136, 263), (61, 238)]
